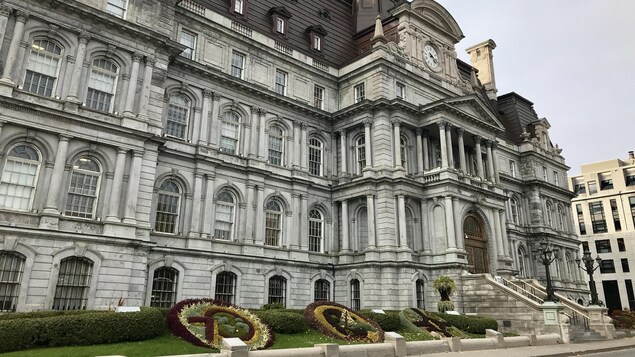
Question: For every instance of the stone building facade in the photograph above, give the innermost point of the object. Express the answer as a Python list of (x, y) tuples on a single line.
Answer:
[(263, 152)]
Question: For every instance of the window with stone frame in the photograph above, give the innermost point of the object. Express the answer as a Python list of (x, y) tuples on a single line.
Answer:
[(360, 92), (513, 171), (523, 262), (410, 229), (598, 221), (400, 90), (356, 298), (403, 148), (237, 64), (281, 82), (11, 271), (318, 97), (101, 85), (276, 145), (230, 133), (189, 39), (83, 192), (549, 214), (164, 287), (73, 284), (561, 217), (238, 7), (273, 223), (225, 215), (168, 207), (280, 17), (43, 67), (117, 8), (322, 290), (316, 157), (513, 204), (316, 34), (178, 117), (420, 293), (316, 231), (360, 154), (277, 290), (19, 178), (225, 289)]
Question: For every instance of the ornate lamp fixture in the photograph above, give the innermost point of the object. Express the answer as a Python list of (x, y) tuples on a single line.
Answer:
[(589, 269), (545, 254)]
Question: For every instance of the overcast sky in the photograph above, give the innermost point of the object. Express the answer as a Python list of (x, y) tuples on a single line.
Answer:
[(574, 59)]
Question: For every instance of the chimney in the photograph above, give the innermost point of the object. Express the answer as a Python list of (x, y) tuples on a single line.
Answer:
[(631, 156), (483, 60)]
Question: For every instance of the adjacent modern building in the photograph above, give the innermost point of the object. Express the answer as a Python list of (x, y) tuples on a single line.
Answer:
[(605, 221), (264, 152)]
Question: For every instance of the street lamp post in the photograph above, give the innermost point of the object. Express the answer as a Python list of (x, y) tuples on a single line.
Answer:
[(589, 269), (546, 254)]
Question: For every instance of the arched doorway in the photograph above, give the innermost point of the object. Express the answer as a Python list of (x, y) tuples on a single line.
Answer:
[(476, 244)]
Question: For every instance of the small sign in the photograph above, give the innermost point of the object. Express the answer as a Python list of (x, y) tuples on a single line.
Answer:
[(452, 312), (378, 311), (127, 309)]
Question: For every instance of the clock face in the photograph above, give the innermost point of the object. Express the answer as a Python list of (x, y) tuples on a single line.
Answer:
[(430, 56)]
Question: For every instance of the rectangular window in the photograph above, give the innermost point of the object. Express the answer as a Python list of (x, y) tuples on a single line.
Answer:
[(545, 173), (239, 6), (556, 178), (318, 97), (117, 8), (11, 271), (625, 267), (277, 290), (188, 39), (631, 201), (512, 168), (630, 294), (606, 184), (281, 82), (630, 180), (581, 224), (355, 295), (598, 221), (579, 188), (607, 266), (616, 216), (238, 64), (360, 93), (73, 283), (603, 246), (317, 43), (101, 85), (401, 91), (620, 245), (593, 187), (280, 25), (585, 246)]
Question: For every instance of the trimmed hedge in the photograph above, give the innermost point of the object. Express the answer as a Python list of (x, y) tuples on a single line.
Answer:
[(282, 321), (389, 321), (623, 319), (46, 313), (88, 328), (471, 324)]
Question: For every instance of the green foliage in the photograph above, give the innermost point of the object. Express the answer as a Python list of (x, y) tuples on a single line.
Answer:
[(470, 324), (623, 319), (389, 321), (444, 306), (87, 328), (47, 313), (282, 321), (276, 306), (445, 284)]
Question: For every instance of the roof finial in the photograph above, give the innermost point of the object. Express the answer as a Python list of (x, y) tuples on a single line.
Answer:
[(378, 37)]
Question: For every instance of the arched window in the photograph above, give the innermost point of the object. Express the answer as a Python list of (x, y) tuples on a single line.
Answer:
[(225, 211), (273, 224), (226, 287), (322, 290), (19, 178), (101, 85), (549, 215), (410, 229), (277, 290), (73, 283), (571, 267), (178, 116), (360, 153), (362, 229), (164, 284), (11, 270), (513, 203), (562, 217), (43, 67), (316, 231), (84, 188), (230, 133), (276, 145), (523, 260), (403, 147), (356, 295), (168, 207), (420, 291), (316, 157)]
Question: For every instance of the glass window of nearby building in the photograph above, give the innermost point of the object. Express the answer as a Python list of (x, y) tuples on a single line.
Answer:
[(318, 97), (606, 184), (117, 7), (276, 145), (316, 231), (84, 188), (356, 300), (620, 245), (43, 67), (579, 188), (603, 246), (578, 209), (630, 179), (616, 216), (178, 116), (593, 187), (273, 223), (360, 92), (19, 178), (225, 211), (630, 293), (188, 38), (598, 221), (631, 201), (101, 85), (281, 82), (164, 284), (322, 290), (420, 291), (168, 207), (625, 267), (585, 246), (230, 132), (11, 270), (73, 283), (277, 290), (237, 65), (225, 289), (607, 266), (316, 156)]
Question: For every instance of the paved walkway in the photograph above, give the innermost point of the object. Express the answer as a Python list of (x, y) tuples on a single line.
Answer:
[(571, 349)]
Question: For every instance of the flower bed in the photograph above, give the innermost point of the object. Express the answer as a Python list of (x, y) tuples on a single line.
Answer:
[(204, 322), (426, 321), (338, 321)]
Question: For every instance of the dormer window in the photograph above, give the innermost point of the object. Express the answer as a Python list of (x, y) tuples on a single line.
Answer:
[(317, 43), (238, 7), (316, 37), (280, 20)]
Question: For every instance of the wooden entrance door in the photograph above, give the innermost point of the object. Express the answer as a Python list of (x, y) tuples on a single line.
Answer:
[(476, 245)]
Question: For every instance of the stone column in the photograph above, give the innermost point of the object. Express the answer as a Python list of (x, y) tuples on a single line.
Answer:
[(426, 150), (403, 230), (498, 234), (490, 161), (215, 121), (248, 125), (343, 152), (459, 132), (132, 85), (262, 148), (458, 230), (296, 147), (295, 234), (479, 156), (397, 143), (251, 209), (504, 232), (367, 146), (345, 227), (304, 219), (444, 148), (303, 147), (117, 184), (208, 211), (144, 99), (133, 188), (195, 222), (419, 151), (14, 46), (259, 231), (427, 246), (495, 159), (205, 114), (80, 57), (370, 204), (125, 77), (449, 223), (57, 177), (5, 12), (448, 133)]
